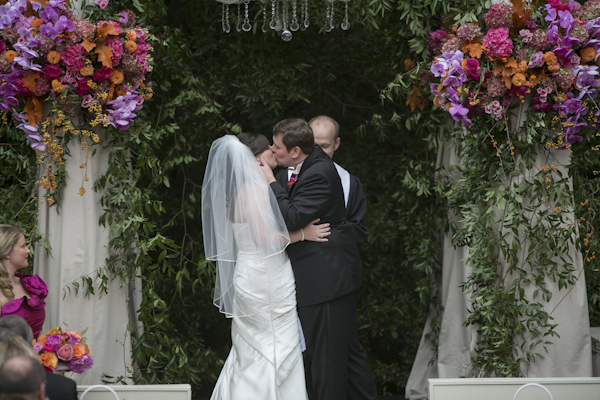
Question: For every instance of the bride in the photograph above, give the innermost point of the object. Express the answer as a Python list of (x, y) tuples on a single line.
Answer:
[(245, 234)]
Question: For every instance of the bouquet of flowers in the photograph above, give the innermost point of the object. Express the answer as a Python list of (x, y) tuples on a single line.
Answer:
[(549, 53), (65, 350), (95, 69)]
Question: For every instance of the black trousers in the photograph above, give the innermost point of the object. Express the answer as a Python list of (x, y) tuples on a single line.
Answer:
[(335, 363)]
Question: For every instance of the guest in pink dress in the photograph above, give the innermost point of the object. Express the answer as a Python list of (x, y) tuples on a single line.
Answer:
[(20, 294)]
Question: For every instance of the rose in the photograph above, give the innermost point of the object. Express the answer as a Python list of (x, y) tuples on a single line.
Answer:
[(102, 3), (65, 353), (51, 71), (78, 350)]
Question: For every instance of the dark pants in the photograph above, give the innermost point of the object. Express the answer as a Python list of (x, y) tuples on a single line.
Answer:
[(335, 363)]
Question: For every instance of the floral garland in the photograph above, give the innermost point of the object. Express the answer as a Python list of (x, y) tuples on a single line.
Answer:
[(92, 70), (550, 54)]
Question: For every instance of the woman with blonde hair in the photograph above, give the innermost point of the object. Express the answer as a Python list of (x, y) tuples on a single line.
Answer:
[(20, 294)]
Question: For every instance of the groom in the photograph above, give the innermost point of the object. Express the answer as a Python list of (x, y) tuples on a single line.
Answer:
[(328, 273)]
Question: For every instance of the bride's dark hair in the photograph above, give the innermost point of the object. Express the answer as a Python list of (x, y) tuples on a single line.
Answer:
[(255, 141)]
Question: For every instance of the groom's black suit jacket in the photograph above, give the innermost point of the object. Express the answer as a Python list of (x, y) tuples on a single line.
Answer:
[(323, 271)]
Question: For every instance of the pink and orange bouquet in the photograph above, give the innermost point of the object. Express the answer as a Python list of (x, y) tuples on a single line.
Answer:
[(96, 69), (65, 349)]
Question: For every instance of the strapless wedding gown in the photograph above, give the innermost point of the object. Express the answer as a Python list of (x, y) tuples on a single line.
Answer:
[(265, 362)]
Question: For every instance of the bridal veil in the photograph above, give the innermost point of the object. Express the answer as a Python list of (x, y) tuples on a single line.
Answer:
[(235, 191)]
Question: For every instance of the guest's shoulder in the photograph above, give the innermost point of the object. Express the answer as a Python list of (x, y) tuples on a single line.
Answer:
[(34, 284)]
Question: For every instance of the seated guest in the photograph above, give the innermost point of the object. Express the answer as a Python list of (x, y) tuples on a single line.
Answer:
[(58, 387), (15, 346), (23, 377), (20, 294)]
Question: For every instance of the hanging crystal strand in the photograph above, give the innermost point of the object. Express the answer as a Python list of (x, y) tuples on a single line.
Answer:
[(278, 16), (294, 25), (273, 23), (246, 26), (305, 20), (329, 17), (238, 25), (345, 25), (264, 24), (286, 35), (225, 19)]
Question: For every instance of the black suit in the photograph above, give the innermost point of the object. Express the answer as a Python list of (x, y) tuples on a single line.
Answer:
[(327, 276), (59, 387)]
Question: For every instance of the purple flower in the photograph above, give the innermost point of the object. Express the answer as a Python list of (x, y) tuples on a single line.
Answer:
[(54, 341), (586, 75), (121, 114), (79, 366), (51, 71), (12, 12), (564, 55), (124, 18), (537, 60)]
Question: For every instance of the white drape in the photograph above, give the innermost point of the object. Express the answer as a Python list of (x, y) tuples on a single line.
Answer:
[(79, 248), (569, 356)]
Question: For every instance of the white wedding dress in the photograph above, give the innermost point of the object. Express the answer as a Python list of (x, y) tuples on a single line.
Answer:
[(265, 362)]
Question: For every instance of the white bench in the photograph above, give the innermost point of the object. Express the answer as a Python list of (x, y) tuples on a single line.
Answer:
[(138, 392), (505, 389)]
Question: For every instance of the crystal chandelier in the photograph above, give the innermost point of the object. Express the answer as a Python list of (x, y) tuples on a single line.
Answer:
[(282, 16)]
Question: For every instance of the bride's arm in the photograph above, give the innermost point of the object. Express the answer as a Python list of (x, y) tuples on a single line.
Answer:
[(312, 232)]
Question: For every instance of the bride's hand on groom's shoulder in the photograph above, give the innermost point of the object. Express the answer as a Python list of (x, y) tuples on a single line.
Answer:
[(266, 170), (317, 233)]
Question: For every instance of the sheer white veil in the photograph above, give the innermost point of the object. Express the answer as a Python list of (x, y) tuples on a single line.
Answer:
[(235, 191)]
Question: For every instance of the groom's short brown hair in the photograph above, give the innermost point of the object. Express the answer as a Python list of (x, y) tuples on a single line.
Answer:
[(295, 132)]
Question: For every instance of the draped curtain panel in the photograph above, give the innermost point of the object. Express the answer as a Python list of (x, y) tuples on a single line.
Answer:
[(569, 356)]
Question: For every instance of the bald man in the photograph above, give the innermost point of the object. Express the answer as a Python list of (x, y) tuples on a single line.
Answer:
[(326, 131), (23, 376)]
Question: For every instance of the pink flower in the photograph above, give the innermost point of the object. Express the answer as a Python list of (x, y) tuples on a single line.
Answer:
[(87, 101), (65, 353), (51, 71), (499, 16), (82, 87), (102, 74), (73, 57), (472, 69), (102, 3), (498, 43), (116, 44)]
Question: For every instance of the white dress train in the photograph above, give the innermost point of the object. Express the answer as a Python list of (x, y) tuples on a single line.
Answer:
[(265, 361)]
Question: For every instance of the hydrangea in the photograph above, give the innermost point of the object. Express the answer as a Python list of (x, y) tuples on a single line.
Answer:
[(468, 31), (498, 43), (588, 11), (580, 32), (452, 44), (73, 57), (42, 87), (435, 40), (84, 29), (539, 40), (116, 44), (130, 18), (564, 78), (496, 87), (499, 16)]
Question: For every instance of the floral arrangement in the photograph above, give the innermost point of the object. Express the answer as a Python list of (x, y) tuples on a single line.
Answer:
[(549, 54), (91, 69), (65, 350)]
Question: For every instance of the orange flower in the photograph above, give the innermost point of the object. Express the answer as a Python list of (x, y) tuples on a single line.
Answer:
[(519, 79), (77, 335), (131, 35), (588, 54), (10, 55), (550, 58), (87, 71), (448, 105), (436, 101), (130, 46), (42, 339), (553, 67), (78, 351), (81, 191), (116, 77), (87, 350), (57, 86), (54, 331), (53, 57), (36, 23), (49, 360)]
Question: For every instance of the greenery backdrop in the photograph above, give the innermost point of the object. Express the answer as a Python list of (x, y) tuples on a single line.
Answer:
[(208, 83)]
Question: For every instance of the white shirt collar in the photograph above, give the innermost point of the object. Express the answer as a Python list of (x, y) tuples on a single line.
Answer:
[(295, 170)]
